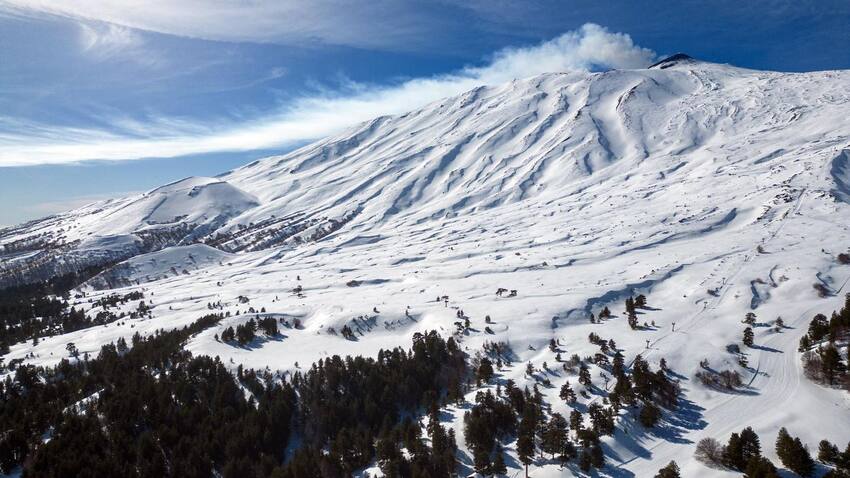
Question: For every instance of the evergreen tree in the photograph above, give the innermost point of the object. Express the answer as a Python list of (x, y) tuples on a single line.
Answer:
[(784, 445), (568, 452), (633, 320), (801, 461), (827, 452), (805, 344), (748, 337), (733, 455), (567, 394), (499, 467), (485, 371), (554, 435), (630, 305), (584, 461), (831, 363), (649, 415), (750, 445), (525, 440), (760, 467), (618, 365), (669, 471), (481, 461), (576, 420), (584, 376), (597, 457), (793, 454), (525, 448), (818, 328)]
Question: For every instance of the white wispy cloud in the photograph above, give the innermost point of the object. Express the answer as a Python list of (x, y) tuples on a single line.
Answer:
[(379, 24), (589, 47), (108, 39)]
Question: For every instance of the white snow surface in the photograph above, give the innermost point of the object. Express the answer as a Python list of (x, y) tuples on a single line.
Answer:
[(713, 190), (153, 266)]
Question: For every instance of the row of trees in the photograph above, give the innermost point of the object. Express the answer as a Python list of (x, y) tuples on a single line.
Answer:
[(246, 332), (743, 453), (822, 344)]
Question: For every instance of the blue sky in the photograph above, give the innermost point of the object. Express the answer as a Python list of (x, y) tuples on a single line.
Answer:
[(103, 97)]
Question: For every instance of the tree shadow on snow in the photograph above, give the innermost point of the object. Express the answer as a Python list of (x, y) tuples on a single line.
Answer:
[(634, 437), (259, 341)]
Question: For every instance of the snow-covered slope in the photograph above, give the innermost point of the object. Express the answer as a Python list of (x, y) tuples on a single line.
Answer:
[(101, 233), (169, 262), (713, 190)]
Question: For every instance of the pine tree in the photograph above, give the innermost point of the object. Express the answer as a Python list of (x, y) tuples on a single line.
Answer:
[(597, 458), (633, 320), (793, 454), (525, 449), (618, 365), (760, 467), (805, 344), (576, 420), (567, 394), (568, 451), (554, 435), (584, 461), (801, 461), (481, 461), (733, 453), (525, 440), (584, 376), (831, 363), (748, 337), (498, 467), (750, 445), (649, 415), (485, 371), (630, 305), (818, 328), (669, 471), (827, 452), (784, 443)]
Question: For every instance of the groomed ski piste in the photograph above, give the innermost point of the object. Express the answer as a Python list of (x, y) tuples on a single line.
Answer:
[(713, 190)]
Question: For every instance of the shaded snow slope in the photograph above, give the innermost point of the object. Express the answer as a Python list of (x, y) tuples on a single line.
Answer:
[(169, 262), (713, 190)]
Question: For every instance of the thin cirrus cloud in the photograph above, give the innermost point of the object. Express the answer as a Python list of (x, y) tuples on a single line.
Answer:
[(108, 39), (389, 24), (589, 47)]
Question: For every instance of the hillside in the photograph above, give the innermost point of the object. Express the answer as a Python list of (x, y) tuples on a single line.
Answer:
[(713, 190)]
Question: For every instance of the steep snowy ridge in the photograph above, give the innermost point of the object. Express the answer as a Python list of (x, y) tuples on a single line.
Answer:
[(713, 190)]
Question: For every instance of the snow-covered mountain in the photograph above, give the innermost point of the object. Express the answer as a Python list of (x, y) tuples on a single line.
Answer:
[(713, 190)]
